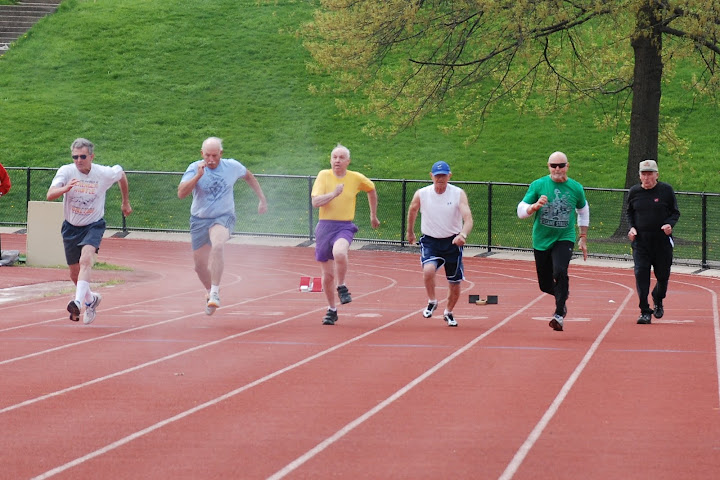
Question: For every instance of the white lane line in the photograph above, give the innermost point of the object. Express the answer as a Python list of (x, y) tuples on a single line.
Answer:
[(525, 448), (388, 401), (716, 329)]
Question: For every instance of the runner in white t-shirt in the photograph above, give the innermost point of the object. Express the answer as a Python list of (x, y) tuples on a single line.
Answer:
[(82, 185)]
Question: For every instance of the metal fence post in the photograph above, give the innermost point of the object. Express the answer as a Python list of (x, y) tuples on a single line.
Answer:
[(310, 209), (704, 260), (489, 218), (403, 210), (27, 189)]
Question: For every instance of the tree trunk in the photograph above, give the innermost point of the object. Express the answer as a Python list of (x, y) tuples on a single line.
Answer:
[(645, 114)]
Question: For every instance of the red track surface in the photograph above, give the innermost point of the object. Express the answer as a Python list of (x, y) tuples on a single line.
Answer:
[(156, 389)]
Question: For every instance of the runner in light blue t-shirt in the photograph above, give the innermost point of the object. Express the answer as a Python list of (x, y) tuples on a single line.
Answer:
[(212, 213)]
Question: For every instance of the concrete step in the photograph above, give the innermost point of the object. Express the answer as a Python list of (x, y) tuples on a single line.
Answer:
[(22, 18), (7, 9), (8, 30), (9, 37), (19, 23), (8, 24)]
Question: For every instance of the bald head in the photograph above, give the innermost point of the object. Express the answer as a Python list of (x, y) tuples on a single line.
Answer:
[(211, 152), (557, 157), (558, 166), (212, 143)]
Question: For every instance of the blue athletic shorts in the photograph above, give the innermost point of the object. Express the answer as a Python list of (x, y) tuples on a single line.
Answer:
[(200, 228), (327, 232), (442, 252), (74, 238)]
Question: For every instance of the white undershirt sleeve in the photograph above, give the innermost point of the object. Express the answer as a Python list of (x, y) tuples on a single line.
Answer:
[(522, 209), (583, 215)]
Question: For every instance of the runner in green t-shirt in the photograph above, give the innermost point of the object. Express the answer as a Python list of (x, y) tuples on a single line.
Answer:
[(552, 199)]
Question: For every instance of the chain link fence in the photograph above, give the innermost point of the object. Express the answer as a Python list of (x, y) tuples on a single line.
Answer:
[(153, 196)]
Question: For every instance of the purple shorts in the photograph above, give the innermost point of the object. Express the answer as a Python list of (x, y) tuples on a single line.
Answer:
[(327, 232)]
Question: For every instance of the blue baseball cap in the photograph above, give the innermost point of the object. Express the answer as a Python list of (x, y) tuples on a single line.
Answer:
[(440, 168)]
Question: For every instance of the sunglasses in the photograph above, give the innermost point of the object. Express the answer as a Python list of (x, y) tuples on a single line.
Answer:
[(557, 165), (82, 157)]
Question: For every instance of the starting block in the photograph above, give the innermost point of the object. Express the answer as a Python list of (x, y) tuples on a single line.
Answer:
[(490, 300), (311, 284)]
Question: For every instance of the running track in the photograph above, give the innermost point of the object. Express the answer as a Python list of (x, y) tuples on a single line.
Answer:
[(261, 390)]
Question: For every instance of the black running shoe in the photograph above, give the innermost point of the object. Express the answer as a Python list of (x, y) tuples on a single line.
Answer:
[(74, 309), (330, 317), (658, 310), (343, 294), (644, 319)]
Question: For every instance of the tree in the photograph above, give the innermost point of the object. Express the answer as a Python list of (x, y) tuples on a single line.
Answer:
[(412, 57)]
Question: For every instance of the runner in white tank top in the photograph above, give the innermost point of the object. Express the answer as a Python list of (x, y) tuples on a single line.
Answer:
[(446, 223)]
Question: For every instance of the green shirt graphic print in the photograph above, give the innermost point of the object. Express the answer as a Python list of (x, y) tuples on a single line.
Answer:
[(556, 220)]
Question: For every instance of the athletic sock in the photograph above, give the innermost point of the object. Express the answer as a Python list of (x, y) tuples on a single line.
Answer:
[(82, 291)]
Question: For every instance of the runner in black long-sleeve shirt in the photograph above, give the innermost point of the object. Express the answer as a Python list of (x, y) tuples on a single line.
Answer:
[(652, 212)]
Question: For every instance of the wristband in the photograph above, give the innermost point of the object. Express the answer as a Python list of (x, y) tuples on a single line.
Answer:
[(463, 235)]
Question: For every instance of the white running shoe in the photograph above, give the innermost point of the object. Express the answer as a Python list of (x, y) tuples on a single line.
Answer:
[(451, 322), (213, 303), (427, 313), (91, 309)]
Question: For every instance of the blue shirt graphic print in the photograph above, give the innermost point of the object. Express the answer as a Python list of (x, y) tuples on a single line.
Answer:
[(213, 195)]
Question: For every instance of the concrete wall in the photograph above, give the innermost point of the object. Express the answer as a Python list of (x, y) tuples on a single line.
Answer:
[(44, 241)]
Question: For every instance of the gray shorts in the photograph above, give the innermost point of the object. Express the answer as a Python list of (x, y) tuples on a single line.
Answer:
[(200, 228)]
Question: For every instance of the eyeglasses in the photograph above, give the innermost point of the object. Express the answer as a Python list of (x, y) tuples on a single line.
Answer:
[(82, 157), (557, 165)]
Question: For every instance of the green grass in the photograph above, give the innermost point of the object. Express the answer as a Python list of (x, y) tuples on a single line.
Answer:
[(148, 81), (110, 266)]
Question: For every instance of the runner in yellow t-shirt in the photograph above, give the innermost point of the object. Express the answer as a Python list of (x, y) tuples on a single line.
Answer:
[(334, 193)]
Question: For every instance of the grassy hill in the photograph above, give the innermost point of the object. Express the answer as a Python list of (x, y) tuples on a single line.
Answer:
[(148, 81)]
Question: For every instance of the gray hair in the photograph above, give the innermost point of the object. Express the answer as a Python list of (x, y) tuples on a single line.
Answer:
[(82, 143), (340, 146), (212, 140)]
